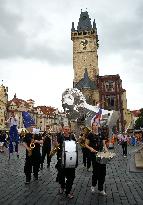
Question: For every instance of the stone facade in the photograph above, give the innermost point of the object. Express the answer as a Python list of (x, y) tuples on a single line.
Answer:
[(3, 105), (85, 44), (104, 89)]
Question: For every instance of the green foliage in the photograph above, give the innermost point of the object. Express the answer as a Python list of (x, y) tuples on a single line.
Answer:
[(139, 121)]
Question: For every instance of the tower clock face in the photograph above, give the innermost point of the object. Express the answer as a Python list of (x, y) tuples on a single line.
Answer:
[(84, 43)]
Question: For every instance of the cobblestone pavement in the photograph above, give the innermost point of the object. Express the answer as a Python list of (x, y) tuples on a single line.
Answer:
[(122, 186)]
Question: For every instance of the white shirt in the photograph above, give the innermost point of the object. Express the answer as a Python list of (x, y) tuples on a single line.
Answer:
[(12, 121)]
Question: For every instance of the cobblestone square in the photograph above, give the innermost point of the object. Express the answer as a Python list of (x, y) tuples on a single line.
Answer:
[(122, 186)]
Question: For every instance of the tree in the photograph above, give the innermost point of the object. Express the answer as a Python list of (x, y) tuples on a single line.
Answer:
[(139, 121)]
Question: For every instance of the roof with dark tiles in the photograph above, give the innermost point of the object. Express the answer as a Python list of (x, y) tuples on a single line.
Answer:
[(84, 23), (85, 82)]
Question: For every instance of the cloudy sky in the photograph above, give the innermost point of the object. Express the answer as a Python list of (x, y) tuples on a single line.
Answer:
[(36, 50)]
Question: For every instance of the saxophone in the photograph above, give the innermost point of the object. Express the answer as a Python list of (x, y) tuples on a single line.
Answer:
[(54, 150), (32, 146), (81, 141)]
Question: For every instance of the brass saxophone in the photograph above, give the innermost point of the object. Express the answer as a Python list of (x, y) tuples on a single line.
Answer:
[(81, 141), (32, 146), (54, 150)]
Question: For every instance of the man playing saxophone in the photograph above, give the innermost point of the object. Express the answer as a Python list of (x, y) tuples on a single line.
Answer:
[(31, 142), (86, 153)]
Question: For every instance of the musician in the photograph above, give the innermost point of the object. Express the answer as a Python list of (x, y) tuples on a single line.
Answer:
[(66, 175), (46, 148), (95, 142), (59, 141), (85, 151), (33, 156)]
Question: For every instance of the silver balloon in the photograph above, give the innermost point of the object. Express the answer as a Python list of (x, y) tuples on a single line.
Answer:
[(76, 108)]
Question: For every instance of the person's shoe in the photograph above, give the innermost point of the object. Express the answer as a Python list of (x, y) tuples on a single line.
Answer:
[(48, 165), (57, 179), (41, 167), (70, 196), (35, 177), (61, 191), (27, 182), (125, 155), (17, 155), (89, 169), (92, 189), (103, 193)]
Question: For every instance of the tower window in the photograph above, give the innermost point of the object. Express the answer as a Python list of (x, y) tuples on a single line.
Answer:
[(109, 86), (110, 101)]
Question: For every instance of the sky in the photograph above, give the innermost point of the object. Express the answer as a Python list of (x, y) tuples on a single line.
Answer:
[(36, 48)]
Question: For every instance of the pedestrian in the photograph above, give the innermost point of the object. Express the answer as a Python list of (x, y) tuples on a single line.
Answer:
[(95, 142), (46, 148), (31, 142), (2, 140), (123, 142)]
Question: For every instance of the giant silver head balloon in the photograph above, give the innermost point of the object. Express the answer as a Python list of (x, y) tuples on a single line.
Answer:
[(76, 107)]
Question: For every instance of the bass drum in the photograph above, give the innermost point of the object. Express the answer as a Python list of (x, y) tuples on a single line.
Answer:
[(69, 154)]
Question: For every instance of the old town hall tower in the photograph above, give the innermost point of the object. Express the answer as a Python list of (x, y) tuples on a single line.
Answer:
[(104, 89)]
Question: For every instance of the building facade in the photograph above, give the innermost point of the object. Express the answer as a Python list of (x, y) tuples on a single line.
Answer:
[(44, 116), (3, 105), (104, 89)]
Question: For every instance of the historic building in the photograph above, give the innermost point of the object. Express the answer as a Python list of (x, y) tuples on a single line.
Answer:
[(44, 116), (3, 105), (104, 89)]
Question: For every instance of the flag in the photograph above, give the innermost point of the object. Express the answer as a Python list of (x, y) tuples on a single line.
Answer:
[(27, 120), (97, 117)]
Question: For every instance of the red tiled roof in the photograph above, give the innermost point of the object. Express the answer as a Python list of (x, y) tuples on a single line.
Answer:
[(18, 102), (47, 110)]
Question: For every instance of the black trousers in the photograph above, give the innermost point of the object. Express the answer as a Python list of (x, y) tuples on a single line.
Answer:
[(44, 153), (86, 158), (124, 147), (98, 174), (66, 178), (32, 164)]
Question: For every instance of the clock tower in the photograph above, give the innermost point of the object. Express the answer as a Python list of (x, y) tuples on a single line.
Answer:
[(85, 45), (85, 58)]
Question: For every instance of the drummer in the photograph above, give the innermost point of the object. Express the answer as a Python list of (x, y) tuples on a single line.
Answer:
[(66, 175), (95, 142)]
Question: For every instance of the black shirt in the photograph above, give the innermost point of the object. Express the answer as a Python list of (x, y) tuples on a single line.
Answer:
[(46, 141), (96, 141), (27, 139)]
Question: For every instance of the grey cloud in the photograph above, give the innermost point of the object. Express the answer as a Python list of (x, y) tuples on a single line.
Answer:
[(123, 34), (116, 35), (14, 42), (11, 40), (51, 55)]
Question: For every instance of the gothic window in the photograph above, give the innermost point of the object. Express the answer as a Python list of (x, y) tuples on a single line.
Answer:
[(109, 86), (110, 101)]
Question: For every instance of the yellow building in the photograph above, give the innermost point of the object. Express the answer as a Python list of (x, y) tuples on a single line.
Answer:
[(3, 105)]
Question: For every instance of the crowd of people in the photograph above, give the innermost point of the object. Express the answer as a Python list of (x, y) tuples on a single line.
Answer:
[(38, 146)]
